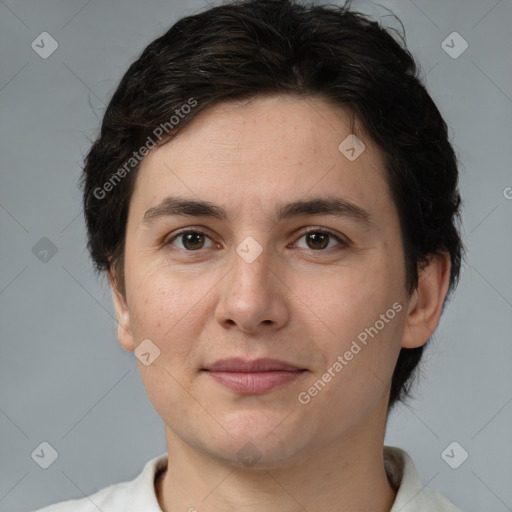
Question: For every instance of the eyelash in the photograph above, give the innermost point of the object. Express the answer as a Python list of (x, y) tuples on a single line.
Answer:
[(343, 242)]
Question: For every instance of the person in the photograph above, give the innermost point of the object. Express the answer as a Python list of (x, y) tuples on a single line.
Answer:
[(274, 199)]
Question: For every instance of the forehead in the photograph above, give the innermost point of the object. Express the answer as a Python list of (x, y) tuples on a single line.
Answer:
[(256, 151)]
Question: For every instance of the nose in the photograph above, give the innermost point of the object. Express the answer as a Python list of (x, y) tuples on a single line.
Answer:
[(252, 297)]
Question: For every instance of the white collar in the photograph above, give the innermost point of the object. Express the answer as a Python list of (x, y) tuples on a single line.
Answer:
[(412, 495)]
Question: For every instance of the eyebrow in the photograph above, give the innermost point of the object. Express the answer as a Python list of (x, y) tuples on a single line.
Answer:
[(326, 205)]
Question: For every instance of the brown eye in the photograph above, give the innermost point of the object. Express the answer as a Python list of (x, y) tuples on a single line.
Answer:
[(190, 240), (193, 241), (319, 239)]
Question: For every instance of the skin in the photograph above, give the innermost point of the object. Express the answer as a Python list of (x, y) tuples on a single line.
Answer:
[(296, 302)]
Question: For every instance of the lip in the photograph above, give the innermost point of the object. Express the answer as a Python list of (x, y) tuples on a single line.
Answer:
[(237, 364), (252, 377)]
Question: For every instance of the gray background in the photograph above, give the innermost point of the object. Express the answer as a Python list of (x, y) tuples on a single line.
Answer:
[(64, 377)]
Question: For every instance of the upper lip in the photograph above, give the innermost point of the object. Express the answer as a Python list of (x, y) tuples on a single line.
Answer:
[(245, 365)]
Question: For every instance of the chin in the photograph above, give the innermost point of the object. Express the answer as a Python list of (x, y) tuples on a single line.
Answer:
[(257, 441)]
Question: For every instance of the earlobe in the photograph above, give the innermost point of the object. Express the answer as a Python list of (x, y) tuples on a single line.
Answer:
[(124, 332), (427, 301)]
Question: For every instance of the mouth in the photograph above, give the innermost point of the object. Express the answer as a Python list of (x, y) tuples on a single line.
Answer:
[(253, 377)]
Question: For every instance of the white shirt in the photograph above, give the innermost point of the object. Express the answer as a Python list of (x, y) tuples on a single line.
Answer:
[(139, 495)]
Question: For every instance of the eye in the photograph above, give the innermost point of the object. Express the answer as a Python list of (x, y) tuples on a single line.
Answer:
[(191, 240), (318, 239)]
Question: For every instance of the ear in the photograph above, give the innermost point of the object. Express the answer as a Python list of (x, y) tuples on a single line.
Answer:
[(426, 304), (124, 330)]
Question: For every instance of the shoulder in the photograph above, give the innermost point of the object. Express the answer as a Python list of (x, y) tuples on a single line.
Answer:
[(108, 499), (438, 502), (412, 495), (120, 497)]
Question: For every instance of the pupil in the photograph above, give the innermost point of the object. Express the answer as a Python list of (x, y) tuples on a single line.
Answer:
[(193, 239), (315, 238)]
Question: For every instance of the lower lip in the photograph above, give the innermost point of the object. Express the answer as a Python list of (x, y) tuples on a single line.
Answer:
[(255, 382)]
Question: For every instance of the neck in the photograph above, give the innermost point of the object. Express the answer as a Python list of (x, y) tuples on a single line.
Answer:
[(342, 476)]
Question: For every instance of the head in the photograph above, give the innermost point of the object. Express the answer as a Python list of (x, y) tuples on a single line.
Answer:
[(246, 107)]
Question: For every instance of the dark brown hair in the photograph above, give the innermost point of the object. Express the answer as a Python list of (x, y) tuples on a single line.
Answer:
[(243, 49)]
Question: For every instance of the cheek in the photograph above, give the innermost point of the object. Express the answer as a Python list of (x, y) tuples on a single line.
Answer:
[(169, 311), (358, 307), (165, 307), (176, 310), (360, 363), (349, 298)]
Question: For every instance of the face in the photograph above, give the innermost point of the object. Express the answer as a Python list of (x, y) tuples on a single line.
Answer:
[(320, 289)]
